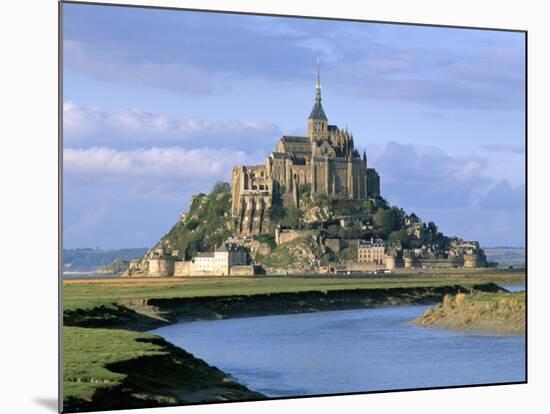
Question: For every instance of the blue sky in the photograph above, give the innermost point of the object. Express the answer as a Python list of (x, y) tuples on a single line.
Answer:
[(160, 104)]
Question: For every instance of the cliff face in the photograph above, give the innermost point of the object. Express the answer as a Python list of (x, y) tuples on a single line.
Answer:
[(300, 255)]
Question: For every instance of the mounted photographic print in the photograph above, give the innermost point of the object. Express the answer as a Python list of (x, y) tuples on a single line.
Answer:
[(260, 207)]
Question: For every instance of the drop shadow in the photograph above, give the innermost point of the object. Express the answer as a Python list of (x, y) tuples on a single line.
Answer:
[(49, 403)]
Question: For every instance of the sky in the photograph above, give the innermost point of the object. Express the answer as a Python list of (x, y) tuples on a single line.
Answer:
[(160, 104)]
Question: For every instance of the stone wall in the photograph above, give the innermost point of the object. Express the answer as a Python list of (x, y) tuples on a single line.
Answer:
[(285, 236), (242, 270), (183, 268), (474, 260), (441, 263), (161, 267), (363, 266)]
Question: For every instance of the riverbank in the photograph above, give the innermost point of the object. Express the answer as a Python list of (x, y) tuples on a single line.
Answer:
[(108, 369), (496, 312), (126, 308)]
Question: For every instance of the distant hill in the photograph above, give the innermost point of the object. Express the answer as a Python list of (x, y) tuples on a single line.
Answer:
[(88, 260), (506, 256)]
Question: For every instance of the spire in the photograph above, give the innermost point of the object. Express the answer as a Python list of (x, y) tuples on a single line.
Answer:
[(318, 84), (317, 112), (365, 157)]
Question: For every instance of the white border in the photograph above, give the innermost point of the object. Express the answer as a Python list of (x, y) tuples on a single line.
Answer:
[(29, 208)]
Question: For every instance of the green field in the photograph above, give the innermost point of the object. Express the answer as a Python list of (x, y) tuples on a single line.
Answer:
[(86, 293)]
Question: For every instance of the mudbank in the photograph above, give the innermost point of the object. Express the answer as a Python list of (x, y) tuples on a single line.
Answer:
[(147, 314), (497, 312)]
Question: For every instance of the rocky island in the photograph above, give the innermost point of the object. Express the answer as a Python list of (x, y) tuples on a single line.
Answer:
[(314, 207)]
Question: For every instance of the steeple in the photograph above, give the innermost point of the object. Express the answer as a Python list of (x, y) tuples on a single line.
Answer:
[(317, 112)]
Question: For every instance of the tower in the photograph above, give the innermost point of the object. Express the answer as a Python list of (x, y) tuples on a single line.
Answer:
[(317, 123)]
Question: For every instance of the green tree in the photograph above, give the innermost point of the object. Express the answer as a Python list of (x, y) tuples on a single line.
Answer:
[(276, 212), (220, 187), (401, 236), (305, 191), (323, 201), (293, 217), (388, 220)]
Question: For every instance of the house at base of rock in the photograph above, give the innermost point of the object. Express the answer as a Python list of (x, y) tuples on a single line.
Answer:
[(225, 260)]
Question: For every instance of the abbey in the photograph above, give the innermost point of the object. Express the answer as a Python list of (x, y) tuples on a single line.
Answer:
[(325, 162)]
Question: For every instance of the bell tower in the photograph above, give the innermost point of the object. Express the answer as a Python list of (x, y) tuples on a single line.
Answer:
[(317, 123)]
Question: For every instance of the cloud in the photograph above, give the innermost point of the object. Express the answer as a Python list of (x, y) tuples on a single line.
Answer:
[(107, 64), (515, 149), (88, 220), (456, 192), (413, 176), (201, 54), (93, 126), (152, 163), (186, 53), (503, 197)]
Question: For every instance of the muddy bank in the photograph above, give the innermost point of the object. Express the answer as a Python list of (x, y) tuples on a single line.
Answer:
[(497, 313), (147, 314)]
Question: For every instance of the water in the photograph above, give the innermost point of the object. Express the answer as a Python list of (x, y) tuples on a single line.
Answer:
[(348, 351), (514, 288)]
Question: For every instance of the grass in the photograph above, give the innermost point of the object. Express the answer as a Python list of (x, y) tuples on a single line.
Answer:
[(86, 293), (87, 352), (495, 312), (114, 369)]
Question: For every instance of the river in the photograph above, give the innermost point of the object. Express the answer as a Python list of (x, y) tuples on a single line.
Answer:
[(348, 351)]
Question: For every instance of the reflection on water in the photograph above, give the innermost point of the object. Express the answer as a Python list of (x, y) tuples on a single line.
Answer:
[(348, 351)]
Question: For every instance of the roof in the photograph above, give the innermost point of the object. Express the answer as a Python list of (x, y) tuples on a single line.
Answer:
[(317, 112), (205, 254), (372, 243), (295, 138), (222, 248)]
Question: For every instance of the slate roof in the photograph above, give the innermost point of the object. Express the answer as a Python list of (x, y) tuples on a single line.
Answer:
[(205, 254), (222, 248), (318, 112), (295, 139)]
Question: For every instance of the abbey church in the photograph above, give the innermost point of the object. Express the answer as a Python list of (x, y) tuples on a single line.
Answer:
[(325, 162)]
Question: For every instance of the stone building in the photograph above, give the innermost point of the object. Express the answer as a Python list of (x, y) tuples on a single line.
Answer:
[(227, 259), (323, 162), (160, 264), (221, 260), (371, 252)]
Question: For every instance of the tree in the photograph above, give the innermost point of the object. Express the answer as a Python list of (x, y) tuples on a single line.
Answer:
[(304, 190), (220, 187), (401, 236), (432, 228), (276, 212), (388, 220), (293, 217)]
